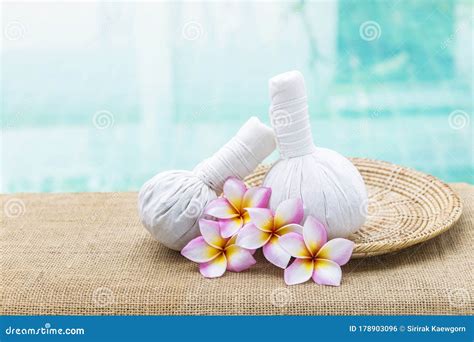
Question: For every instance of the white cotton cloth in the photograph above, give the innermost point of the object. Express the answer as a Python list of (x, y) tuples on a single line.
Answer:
[(330, 186), (171, 203)]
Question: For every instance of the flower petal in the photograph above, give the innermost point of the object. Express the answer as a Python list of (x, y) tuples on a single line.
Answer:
[(327, 272), (234, 191), (299, 271), (315, 234), (214, 268), (275, 254), (338, 250), (238, 259), (295, 228), (220, 208), (198, 250), (294, 245), (230, 226), (257, 197), (250, 237), (262, 218), (211, 233), (289, 211), (245, 216), (231, 241)]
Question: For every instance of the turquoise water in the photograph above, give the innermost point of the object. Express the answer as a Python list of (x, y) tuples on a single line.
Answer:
[(104, 95)]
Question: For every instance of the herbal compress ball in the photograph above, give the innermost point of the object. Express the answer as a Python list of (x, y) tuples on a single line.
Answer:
[(171, 203), (330, 186)]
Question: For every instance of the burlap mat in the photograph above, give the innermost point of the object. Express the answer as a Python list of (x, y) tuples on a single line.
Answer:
[(87, 254)]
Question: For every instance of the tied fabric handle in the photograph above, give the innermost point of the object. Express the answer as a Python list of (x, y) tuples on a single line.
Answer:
[(239, 157), (290, 120)]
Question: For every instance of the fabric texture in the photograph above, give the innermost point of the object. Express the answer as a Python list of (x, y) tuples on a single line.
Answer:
[(88, 254)]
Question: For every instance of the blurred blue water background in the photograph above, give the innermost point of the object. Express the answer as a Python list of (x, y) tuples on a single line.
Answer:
[(100, 96)]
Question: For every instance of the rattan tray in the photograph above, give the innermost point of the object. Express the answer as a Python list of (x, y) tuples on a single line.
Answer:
[(405, 207)]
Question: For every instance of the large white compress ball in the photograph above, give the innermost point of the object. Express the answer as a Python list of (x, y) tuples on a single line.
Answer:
[(330, 186), (171, 203)]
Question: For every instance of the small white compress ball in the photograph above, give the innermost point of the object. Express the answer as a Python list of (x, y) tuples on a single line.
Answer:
[(330, 186), (171, 203)]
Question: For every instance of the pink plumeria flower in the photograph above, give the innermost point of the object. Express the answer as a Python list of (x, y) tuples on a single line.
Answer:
[(216, 254), (230, 209), (265, 228), (315, 256)]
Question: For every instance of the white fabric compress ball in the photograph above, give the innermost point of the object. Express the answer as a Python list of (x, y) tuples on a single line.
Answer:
[(171, 203), (330, 186)]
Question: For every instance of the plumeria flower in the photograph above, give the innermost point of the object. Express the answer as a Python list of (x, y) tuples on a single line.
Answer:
[(231, 208), (265, 228), (216, 254), (315, 256)]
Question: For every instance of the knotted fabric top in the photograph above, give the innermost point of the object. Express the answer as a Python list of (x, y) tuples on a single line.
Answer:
[(239, 157)]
